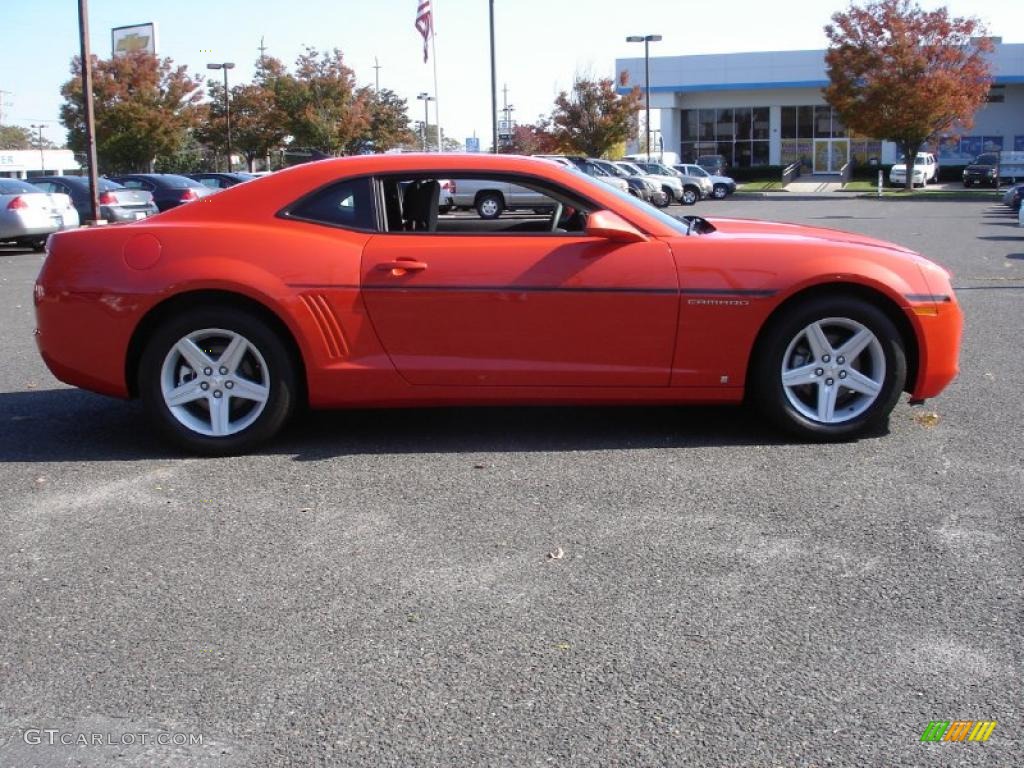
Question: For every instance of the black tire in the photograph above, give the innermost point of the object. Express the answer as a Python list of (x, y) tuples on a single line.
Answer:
[(662, 199), (489, 205), (771, 396), (720, 192), (443, 209), (967, 184), (690, 196), (279, 374)]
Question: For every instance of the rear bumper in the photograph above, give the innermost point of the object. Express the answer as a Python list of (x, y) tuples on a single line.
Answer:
[(939, 329), (83, 337)]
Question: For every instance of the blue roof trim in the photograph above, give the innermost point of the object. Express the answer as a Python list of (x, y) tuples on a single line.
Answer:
[(707, 87)]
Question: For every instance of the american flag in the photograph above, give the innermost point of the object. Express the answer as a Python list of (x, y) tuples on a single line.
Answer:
[(425, 24)]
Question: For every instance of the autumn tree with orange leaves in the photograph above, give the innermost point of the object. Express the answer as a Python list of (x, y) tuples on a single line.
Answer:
[(901, 73)]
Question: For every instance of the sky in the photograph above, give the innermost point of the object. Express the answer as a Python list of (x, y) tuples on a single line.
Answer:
[(540, 44)]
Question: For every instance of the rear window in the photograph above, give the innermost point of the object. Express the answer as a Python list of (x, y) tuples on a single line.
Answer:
[(178, 182), (15, 187), (347, 204)]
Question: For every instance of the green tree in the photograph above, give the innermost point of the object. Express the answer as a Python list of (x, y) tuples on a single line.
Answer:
[(900, 73), (257, 122), (591, 118), (17, 137), (388, 124), (144, 108), (325, 110)]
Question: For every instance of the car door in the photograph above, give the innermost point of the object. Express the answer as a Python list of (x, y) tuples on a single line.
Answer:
[(494, 308)]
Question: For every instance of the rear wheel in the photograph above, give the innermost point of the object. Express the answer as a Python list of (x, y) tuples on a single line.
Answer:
[(690, 196), (217, 381), (830, 369)]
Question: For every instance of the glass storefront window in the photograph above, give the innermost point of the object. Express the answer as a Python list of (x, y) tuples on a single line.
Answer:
[(805, 122), (759, 153), (691, 126), (707, 124), (726, 129), (1018, 143), (759, 123), (822, 122), (742, 119), (788, 124)]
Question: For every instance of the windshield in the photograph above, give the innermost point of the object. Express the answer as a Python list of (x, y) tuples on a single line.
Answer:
[(664, 170), (632, 169), (613, 169), (987, 160), (677, 225), (696, 170)]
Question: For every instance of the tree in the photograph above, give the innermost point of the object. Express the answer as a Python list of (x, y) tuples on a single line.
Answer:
[(388, 123), (16, 137), (144, 108), (325, 110), (592, 118), (415, 141), (257, 122), (900, 73), (535, 139)]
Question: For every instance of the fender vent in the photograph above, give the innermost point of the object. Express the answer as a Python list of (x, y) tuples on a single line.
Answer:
[(330, 329)]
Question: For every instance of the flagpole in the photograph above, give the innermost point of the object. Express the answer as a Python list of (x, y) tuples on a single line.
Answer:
[(437, 96)]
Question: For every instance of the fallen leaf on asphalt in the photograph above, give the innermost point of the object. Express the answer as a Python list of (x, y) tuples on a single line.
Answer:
[(558, 554), (479, 466), (30, 386), (306, 509), (927, 420), (563, 646)]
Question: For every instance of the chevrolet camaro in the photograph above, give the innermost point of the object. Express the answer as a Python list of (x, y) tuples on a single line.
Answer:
[(337, 284)]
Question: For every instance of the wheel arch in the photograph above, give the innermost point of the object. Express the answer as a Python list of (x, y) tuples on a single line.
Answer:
[(186, 300), (497, 192), (844, 289)]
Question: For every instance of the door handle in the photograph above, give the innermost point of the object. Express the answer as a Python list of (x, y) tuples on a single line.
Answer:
[(401, 266)]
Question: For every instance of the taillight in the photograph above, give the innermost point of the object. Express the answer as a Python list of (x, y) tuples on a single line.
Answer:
[(17, 204), (107, 199), (187, 195)]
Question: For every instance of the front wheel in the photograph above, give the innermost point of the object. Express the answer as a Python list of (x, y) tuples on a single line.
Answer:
[(830, 369), (217, 381), (489, 205), (720, 192)]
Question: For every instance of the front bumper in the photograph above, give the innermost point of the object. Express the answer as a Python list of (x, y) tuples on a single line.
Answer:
[(939, 328)]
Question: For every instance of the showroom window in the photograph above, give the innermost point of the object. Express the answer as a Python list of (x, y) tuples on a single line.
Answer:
[(961, 150), (738, 133)]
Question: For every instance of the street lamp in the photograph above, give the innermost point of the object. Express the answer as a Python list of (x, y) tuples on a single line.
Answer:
[(646, 40), (426, 98), (42, 159), (226, 65)]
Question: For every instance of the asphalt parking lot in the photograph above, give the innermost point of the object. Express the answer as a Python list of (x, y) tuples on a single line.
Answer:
[(376, 587)]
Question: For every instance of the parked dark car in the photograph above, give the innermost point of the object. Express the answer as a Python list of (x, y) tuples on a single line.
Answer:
[(637, 186), (215, 180), (983, 171), (168, 189), (716, 165), (117, 203)]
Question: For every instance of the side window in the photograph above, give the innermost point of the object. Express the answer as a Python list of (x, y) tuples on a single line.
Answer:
[(478, 205), (347, 204), (215, 183)]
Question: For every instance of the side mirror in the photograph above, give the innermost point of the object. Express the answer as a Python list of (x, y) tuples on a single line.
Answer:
[(613, 227)]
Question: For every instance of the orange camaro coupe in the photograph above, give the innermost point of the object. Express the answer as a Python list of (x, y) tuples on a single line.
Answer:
[(337, 284)]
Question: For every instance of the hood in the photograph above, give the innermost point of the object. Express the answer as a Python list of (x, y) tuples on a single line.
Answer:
[(778, 230)]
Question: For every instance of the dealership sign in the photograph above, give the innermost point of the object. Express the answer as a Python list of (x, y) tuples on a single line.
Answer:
[(139, 37)]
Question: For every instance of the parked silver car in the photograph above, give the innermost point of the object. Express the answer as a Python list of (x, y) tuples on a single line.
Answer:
[(28, 215), (491, 198), (721, 186), (695, 187)]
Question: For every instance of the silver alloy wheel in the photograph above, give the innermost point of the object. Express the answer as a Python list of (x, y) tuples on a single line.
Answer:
[(489, 207), (720, 192), (689, 197), (215, 382), (833, 370)]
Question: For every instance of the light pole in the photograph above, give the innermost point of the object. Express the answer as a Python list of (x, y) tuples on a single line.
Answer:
[(90, 118), (42, 160), (646, 40), (426, 98), (226, 65)]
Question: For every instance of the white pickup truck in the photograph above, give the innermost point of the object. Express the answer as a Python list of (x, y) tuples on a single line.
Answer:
[(926, 169), (491, 197)]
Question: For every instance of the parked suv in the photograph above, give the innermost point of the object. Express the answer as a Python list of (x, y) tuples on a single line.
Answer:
[(926, 169), (690, 188), (716, 165), (983, 170)]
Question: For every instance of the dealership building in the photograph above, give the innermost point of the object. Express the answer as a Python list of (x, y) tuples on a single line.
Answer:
[(768, 109)]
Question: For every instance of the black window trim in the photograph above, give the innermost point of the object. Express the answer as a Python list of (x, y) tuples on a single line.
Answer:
[(287, 213), (475, 173)]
